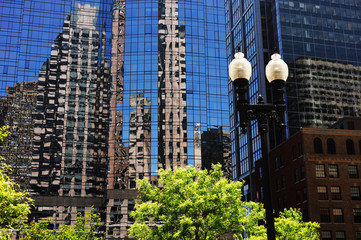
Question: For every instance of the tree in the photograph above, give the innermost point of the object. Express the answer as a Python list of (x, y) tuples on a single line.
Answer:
[(193, 205), (14, 204), (85, 228), (203, 205), (290, 226)]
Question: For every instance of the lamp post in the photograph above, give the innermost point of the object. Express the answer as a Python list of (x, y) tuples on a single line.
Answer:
[(276, 73)]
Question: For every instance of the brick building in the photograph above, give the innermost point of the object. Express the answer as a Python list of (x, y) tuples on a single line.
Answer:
[(317, 171)]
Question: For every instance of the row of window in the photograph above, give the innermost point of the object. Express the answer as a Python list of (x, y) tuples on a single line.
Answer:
[(331, 146), (339, 235), (337, 215), (333, 171), (322, 192)]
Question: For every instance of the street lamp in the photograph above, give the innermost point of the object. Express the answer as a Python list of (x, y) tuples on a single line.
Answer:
[(276, 73)]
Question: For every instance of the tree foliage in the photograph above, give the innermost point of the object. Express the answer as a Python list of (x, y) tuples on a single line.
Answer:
[(290, 226), (203, 205), (14, 204), (85, 228), (192, 205)]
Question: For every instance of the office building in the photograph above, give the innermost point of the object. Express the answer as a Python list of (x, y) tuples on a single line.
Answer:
[(169, 86), (320, 41), (216, 149), (17, 109), (124, 88), (317, 171)]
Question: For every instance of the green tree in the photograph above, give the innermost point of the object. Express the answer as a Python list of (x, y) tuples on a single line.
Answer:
[(200, 205), (290, 226), (85, 228), (193, 205), (14, 204)]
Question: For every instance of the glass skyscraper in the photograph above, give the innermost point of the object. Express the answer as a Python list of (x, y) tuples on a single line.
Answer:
[(320, 41), (118, 90)]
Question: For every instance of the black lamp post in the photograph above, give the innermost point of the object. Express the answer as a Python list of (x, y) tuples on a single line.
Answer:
[(276, 72)]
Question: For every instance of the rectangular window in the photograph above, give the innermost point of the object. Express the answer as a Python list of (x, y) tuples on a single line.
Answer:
[(324, 215), (283, 182), (294, 152), (276, 163), (337, 215), (304, 197), (357, 215), (326, 235), (322, 192), (340, 235), (296, 175), (320, 171), (298, 196), (358, 235), (300, 149), (302, 172), (333, 171), (282, 160), (336, 193), (355, 193), (352, 171)]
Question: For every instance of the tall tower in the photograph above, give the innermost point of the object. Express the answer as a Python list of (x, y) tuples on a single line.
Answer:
[(169, 85), (71, 122), (17, 109), (317, 40)]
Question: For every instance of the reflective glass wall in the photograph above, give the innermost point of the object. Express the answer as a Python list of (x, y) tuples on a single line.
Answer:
[(249, 27), (321, 42), (101, 93)]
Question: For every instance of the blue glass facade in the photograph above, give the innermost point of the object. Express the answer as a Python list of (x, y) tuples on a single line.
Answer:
[(244, 30), (120, 89), (320, 41)]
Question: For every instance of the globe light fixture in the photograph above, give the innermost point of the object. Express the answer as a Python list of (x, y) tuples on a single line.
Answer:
[(276, 69), (240, 68)]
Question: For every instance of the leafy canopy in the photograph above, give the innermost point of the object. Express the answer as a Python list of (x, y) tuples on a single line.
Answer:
[(14, 204), (204, 205), (192, 205), (85, 228)]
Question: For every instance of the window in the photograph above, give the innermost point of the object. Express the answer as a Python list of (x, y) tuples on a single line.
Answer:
[(333, 171), (298, 196), (278, 184), (336, 193), (340, 235), (304, 197), (283, 182), (322, 192), (302, 172), (294, 152), (317, 144), (352, 171), (355, 193), (331, 146), (296, 175), (326, 235), (300, 149), (324, 215), (282, 160), (284, 201), (276, 163), (320, 171), (350, 147), (357, 215), (337, 215), (358, 235)]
